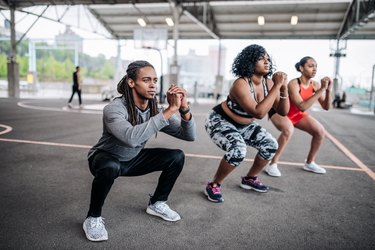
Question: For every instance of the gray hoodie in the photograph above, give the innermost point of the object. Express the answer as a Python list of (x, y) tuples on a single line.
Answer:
[(124, 141)]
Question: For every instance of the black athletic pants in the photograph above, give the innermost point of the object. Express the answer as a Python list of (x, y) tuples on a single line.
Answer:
[(78, 91), (106, 169)]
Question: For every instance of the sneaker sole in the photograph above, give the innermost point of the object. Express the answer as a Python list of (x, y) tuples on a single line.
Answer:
[(309, 170), (212, 200), (248, 188), (152, 212), (104, 238)]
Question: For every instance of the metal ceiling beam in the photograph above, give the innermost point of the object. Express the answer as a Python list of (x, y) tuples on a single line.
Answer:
[(108, 28), (36, 20), (360, 12), (204, 18), (4, 5)]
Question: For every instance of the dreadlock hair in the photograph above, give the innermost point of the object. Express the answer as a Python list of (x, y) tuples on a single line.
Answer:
[(244, 63), (124, 89)]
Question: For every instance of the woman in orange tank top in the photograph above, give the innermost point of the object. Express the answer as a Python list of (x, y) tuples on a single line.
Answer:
[(303, 93)]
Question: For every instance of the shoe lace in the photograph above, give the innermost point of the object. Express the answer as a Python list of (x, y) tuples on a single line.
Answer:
[(97, 222), (256, 181), (216, 189), (161, 206)]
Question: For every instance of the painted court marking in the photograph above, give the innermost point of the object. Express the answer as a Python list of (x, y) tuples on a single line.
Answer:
[(361, 165), (63, 109), (351, 156)]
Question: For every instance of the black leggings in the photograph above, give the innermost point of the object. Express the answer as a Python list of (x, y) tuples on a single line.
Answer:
[(78, 91), (106, 169)]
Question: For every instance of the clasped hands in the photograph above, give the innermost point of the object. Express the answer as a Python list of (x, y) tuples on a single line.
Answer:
[(326, 83), (177, 98), (280, 79)]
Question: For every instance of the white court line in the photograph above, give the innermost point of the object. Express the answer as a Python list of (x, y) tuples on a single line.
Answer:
[(187, 154), (351, 156), (7, 129), (46, 143), (280, 162), (339, 145), (87, 109), (63, 109)]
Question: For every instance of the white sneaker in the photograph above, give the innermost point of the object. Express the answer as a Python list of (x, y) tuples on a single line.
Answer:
[(313, 167), (161, 209), (70, 105), (272, 170), (94, 229)]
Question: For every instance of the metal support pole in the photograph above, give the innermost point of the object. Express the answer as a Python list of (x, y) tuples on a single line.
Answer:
[(76, 56), (372, 88), (337, 55), (12, 72), (174, 67), (31, 75), (219, 77), (161, 90)]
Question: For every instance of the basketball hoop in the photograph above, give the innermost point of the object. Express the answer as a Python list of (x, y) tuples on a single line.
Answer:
[(150, 38)]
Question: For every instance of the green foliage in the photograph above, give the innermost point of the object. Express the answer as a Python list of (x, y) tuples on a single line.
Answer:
[(105, 72), (23, 64), (56, 65), (22, 48), (3, 66)]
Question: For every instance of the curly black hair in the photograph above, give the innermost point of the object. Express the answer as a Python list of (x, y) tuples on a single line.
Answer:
[(244, 63), (124, 89)]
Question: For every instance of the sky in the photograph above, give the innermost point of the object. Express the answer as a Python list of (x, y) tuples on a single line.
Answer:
[(355, 68)]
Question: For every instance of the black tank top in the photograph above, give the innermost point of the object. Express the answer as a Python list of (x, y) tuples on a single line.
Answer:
[(237, 109)]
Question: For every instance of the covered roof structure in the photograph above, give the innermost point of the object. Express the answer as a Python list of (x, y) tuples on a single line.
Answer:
[(226, 19), (220, 19)]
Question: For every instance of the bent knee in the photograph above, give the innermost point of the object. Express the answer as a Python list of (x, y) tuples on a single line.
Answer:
[(235, 155), (110, 171), (288, 131), (268, 149), (178, 157), (319, 133)]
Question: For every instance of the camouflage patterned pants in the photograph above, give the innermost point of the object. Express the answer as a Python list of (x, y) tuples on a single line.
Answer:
[(234, 139)]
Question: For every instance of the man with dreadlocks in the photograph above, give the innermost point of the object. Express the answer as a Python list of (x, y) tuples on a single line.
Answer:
[(129, 122)]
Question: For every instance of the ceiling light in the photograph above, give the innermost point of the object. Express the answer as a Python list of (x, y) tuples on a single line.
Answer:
[(141, 22), (294, 20), (169, 21), (261, 20)]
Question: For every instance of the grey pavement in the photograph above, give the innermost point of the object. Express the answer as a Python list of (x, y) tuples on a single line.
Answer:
[(45, 187)]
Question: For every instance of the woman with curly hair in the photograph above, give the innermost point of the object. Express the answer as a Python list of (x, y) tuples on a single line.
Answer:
[(231, 125), (304, 92)]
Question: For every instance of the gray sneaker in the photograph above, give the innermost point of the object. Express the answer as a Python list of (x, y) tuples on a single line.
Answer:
[(162, 210), (313, 167), (94, 229)]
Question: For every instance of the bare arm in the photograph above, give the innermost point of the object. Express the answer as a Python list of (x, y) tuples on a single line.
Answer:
[(295, 97), (241, 94), (326, 99), (281, 104)]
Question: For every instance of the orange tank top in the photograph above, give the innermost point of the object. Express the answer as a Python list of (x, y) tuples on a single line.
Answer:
[(305, 93)]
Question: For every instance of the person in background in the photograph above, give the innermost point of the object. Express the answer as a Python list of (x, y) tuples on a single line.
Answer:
[(303, 93), (129, 121), (76, 88), (232, 124)]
